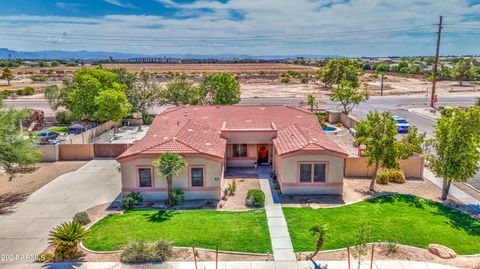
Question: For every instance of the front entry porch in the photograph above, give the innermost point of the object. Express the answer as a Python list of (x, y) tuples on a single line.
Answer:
[(245, 172)]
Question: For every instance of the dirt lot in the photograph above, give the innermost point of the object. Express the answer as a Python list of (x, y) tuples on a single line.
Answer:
[(25, 183), (357, 189), (403, 253)]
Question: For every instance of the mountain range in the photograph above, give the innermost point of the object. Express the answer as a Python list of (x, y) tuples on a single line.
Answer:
[(102, 55)]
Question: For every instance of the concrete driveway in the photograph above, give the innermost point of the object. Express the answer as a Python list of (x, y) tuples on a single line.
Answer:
[(25, 232)]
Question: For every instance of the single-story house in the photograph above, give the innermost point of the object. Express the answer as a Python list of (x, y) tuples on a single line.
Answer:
[(214, 139)]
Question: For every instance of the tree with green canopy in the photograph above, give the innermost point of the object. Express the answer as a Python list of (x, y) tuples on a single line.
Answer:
[(343, 69), (180, 92), (456, 146), (349, 95), (7, 74), (111, 105), (144, 93), (220, 89), (462, 70)]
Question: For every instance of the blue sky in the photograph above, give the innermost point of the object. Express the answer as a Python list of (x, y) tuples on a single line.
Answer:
[(255, 27)]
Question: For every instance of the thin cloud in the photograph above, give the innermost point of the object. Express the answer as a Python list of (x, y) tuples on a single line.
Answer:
[(68, 6), (119, 3)]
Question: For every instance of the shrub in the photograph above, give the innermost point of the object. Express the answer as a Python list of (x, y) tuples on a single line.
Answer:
[(285, 80), (137, 252), (232, 188), (38, 78), (255, 197), (304, 80), (82, 218), (141, 251), (63, 117), (178, 196), (396, 176), (382, 177), (65, 238), (163, 250), (44, 257), (131, 200), (391, 247), (147, 119), (26, 91)]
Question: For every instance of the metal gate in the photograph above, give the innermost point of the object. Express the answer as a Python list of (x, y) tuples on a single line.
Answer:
[(109, 150)]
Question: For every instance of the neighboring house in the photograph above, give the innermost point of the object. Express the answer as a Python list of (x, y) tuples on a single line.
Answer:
[(214, 139)]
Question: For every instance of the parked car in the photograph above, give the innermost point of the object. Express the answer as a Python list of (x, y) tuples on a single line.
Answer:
[(402, 124), (47, 136)]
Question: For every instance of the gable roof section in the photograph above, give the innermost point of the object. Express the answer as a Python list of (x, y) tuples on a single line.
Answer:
[(197, 129)]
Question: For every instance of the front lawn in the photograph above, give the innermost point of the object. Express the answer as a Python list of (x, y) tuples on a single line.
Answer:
[(406, 219), (244, 231), (59, 129)]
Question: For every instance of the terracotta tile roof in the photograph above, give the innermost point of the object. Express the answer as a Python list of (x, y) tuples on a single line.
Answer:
[(196, 129)]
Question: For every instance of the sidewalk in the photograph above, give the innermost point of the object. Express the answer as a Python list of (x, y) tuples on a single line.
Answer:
[(454, 191), (277, 225), (238, 265)]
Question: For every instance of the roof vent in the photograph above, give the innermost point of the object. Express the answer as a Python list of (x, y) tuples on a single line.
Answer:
[(207, 144), (190, 130), (299, 116), (165, 138)]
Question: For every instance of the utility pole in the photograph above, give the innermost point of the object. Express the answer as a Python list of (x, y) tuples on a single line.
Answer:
[(381, 86), (434, 80)]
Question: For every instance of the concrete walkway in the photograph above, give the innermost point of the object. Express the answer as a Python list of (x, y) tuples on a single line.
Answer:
[(277, 226), (25, 231), (454, 191), (239, 265)]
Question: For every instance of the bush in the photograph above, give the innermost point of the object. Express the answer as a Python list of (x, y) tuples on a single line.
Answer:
[(232, 188), (163, 250), (255, 197), (382, 177), (26, 91), (131, 200), (137, 252), (304, 80), (38, 78), (147, 119), (396, 176), (82, 218), (178, 196), (63, 117), (285, 80), (5, 93), (141, 251), (65, 238)]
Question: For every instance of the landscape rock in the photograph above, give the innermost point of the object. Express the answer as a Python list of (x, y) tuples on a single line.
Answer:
[(441, 251)]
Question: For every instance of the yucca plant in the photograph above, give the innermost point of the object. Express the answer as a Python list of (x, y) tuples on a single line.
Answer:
[(65, 238), (320, 233)]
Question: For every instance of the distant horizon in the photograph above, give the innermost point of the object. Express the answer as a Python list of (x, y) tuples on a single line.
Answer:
[(243, 27)]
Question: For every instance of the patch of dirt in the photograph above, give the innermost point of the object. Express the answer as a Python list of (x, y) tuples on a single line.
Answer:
[(403, 253), (356, 189), (27, 182), (237, 201)]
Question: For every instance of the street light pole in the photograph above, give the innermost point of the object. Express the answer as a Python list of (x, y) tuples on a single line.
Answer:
[(434, 79)]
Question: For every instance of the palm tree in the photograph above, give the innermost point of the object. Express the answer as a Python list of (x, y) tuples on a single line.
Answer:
[(65, 238), (319, 232), (311, 101), (169, 165)]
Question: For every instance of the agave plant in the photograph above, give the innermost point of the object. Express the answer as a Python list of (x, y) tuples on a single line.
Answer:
[(65, 238)]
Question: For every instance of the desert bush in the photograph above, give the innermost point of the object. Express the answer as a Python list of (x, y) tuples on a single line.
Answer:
[(63, 117), (26, 91), (147, 119), (38, 78), (285, 80), (232, 188), (396, 176), (178, 196), (163, 250), (82, 218), (304, 80), (137, 252), (255, 197), (5, 93), (391, 247), (131, 200), (382, 177)]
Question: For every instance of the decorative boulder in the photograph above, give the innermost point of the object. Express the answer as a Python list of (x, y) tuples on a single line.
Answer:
[(441, 251)]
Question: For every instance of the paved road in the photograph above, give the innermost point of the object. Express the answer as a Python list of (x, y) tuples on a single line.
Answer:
[(25, 232)]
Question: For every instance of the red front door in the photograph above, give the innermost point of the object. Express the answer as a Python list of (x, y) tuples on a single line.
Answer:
[(262, 153)]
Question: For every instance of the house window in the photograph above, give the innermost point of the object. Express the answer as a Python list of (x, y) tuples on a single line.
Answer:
[(239, 150), (313, 172), (196, 174), (145, 177)]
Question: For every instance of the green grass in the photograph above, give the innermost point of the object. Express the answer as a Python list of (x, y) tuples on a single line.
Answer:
[(59, 129), (406, 219), (244, 231)]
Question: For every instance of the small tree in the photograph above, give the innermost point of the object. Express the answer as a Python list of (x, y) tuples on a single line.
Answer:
[(348, 95), (111, 105), (169, 165), (456, 144), (144, 94), (462, 70), (311, 101), (377, 132), (180, 92), (220, 89), (65, 238), (320, 233), (337, 70), (7, 74)]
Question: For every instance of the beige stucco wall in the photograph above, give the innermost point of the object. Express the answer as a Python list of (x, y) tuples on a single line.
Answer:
[(213, 177), (69, 152), (287, 173), (252, 152), (49, 152), (357, 167)]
